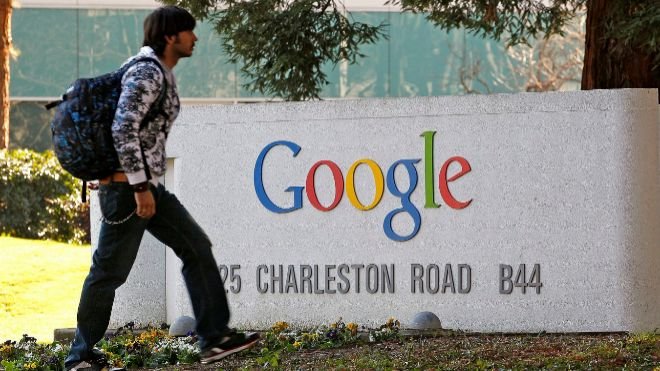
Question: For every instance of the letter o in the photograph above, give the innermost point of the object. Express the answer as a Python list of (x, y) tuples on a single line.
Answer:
[(311, 190), (378, 182)]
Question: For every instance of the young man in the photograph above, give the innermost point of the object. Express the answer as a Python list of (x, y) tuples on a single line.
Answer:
[(133, 201)]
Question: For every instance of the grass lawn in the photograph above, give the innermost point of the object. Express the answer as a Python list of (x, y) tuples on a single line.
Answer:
[(40, 284)]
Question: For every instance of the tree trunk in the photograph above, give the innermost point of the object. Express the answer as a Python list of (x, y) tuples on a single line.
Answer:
[(5, 48), (604, 69)]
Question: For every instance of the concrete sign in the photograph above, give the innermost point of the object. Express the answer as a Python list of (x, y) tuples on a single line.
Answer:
[(516, 213)]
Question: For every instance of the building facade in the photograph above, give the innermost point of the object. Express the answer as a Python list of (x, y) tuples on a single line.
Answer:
[(61, 40)]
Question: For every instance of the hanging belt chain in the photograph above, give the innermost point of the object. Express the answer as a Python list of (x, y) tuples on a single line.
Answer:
[(111, 222)]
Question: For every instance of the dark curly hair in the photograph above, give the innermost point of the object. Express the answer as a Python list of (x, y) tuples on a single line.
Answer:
[(165, 21)]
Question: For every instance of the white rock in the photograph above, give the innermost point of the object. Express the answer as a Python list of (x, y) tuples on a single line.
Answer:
[(182, 326), (425, 321)]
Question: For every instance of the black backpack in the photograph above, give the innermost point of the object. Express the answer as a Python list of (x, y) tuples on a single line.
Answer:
[(81, 128)]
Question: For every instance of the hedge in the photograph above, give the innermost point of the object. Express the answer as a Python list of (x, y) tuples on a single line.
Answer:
[(39, 200)]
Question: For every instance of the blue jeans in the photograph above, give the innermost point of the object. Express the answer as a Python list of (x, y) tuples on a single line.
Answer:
[(117, 248)]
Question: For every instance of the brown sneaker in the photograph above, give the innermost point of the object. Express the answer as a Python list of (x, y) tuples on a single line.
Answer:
[(234, 342)]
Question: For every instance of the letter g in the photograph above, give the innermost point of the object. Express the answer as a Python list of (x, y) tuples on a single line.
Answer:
[(259, 184), (406, 205)]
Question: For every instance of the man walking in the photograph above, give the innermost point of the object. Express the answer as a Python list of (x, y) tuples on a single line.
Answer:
[(132, 201)]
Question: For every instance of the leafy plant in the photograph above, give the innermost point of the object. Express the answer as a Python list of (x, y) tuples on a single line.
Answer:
[(148, 348), (636, 26), (28, 355), (283, 45), (388, 331), (337, 334), (269, 358), (39, 200), (517, 21)]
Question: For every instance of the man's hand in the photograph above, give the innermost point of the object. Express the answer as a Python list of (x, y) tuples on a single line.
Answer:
[(146, 205)]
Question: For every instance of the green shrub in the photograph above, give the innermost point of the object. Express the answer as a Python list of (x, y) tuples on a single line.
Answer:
[(39, 200)]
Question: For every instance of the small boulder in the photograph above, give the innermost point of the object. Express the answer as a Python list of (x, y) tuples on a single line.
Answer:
[(183, 326), (425, 321)]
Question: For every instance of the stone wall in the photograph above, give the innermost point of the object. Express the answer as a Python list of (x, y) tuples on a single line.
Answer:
[(547, 214)]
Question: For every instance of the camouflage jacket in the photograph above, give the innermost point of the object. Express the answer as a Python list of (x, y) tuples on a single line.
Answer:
[(141, 86)]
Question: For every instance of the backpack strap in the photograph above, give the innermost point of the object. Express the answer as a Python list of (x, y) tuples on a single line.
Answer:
[(52, 104), (160, 102), (122, 70)]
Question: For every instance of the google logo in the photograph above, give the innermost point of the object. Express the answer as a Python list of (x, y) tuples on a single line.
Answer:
[(347, 185)]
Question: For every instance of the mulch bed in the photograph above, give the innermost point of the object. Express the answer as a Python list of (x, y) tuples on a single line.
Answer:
[(460, 351)]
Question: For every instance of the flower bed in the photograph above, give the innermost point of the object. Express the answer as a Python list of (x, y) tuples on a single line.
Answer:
[(153, 347)]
